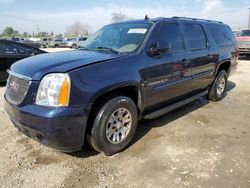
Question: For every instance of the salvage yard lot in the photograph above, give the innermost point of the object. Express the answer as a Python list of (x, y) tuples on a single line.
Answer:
[(203, 144)]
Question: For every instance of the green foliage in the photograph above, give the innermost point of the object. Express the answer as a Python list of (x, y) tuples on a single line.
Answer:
[(8, 32)]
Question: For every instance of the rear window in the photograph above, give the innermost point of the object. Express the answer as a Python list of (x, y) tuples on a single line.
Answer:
[(222, 35), (195, 36)]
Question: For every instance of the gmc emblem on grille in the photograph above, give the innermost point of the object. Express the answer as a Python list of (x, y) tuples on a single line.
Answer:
[(14, 86)]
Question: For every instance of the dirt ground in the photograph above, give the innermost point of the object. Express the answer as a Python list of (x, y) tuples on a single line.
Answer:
[(203, 144)]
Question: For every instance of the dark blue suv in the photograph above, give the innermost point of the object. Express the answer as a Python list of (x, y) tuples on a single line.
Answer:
[(124, 72)]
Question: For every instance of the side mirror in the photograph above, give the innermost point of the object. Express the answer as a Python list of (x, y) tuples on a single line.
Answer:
[(161, 47)]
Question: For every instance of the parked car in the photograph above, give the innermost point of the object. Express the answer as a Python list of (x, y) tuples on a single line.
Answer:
[(44, 42), (70, 39), (16, 39), (126, 71), (31, 43), (243, 41), (56, 43), (10, 52), (76, 42)]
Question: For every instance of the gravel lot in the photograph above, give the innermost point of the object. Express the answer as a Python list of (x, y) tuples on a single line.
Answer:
[(203, 144)]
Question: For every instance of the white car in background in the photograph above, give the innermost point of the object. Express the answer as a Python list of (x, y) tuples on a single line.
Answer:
[(59, 42), (76, 42)]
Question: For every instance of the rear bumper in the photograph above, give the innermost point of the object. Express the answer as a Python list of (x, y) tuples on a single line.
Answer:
[(244, 51), (59, 128)]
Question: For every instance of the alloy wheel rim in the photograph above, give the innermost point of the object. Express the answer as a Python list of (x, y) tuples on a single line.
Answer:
[(118, 126), (221, 86)]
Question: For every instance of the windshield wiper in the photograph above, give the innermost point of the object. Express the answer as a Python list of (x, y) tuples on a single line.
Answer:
[(108, 49)]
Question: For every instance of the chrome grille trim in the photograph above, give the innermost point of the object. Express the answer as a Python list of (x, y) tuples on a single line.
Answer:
[(17, 87), (19, 75)]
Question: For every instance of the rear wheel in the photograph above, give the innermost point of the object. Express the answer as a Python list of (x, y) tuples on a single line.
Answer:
[(114, 126), (56, 45), (218, 89), (74, 46)]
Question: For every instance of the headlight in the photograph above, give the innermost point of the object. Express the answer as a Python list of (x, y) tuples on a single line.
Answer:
[(54, 90)]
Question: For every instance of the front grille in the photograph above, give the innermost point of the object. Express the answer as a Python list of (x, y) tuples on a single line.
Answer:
[(17, 88)]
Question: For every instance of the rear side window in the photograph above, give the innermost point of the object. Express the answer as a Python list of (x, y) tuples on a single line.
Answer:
[(222, 35), (171, 33), (195, 36)]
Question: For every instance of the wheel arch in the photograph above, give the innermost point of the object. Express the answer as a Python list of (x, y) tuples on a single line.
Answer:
[(224, 65), (132, 91)]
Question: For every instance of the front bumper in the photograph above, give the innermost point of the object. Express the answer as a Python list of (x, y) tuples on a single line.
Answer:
[(59, 128)]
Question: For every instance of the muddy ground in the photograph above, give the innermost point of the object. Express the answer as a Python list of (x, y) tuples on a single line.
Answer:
[(203, 144)]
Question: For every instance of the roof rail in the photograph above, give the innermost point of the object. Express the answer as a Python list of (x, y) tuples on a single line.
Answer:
[(197, 19)]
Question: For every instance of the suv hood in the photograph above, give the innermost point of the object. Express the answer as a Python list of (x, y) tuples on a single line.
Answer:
[(37, 66)]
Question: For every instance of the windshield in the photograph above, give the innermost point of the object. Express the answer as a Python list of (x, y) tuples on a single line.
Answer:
[(245, 33), (122, 37)]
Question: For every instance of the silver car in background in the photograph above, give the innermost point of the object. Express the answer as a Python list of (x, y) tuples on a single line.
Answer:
[(59, 42), (44, 42), (76, 42)]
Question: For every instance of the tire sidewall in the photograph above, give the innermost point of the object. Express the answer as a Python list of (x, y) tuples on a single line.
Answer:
[(213, 93), (99, 139)]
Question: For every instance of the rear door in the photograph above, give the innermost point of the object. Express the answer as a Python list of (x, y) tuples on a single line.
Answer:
[(201, 58), (168, 75)]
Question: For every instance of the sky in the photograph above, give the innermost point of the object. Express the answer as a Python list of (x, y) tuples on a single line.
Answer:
[(56, 15)]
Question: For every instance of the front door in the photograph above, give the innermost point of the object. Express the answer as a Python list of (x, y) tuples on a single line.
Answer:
[(168, 76)]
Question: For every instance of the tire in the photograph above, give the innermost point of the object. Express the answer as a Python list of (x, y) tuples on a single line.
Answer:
[(102, 135), (218, 89), (74, 46), (56, 46)]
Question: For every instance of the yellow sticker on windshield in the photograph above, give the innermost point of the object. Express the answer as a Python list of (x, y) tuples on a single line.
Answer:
[(137, 30)]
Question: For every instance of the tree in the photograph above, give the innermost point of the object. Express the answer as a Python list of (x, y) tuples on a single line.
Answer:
[(78, 29), (43, 34), (25, 34), (118, 17), (16, 34), (8, 32)]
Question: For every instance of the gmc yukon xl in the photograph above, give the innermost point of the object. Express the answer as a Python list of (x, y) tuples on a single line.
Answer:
[(126, 71)]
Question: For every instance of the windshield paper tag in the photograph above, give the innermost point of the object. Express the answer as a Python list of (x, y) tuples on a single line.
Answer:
[(137, 30)]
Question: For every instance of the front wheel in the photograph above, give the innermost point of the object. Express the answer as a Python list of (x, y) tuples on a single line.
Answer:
[(114, 126), (218, 89)]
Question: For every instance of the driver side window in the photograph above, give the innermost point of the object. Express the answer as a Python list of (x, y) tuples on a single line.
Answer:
[(171, 33)]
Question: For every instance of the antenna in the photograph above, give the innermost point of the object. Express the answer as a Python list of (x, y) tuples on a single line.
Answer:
[(146, 17)]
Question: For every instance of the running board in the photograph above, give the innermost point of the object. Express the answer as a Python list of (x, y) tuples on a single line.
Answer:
[(174, 106)]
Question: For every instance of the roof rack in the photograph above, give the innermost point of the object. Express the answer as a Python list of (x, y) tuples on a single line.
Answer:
[(196, 19)]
